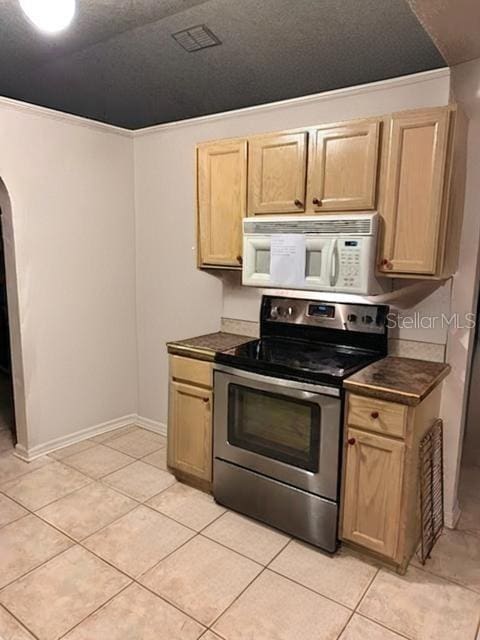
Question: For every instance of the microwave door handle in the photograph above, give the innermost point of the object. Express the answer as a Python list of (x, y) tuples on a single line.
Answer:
[(334, 264)]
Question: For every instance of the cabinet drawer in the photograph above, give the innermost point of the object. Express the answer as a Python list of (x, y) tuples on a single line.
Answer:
[(191, 370), (388, 418)]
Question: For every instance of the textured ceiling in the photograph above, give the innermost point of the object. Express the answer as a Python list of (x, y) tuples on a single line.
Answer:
[(119, 64)]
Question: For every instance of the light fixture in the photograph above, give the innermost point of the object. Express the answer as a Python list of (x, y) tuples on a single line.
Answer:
[(50, 16)]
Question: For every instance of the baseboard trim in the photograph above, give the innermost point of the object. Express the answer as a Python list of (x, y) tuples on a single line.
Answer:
[(152, 425), (72, 438)]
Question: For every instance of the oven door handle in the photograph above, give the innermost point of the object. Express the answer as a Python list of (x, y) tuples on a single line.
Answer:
[(317, 389)]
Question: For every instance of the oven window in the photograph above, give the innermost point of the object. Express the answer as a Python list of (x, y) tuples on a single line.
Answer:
[(274, 425)]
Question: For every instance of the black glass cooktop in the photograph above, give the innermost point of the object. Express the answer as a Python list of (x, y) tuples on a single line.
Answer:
[(298, 359)]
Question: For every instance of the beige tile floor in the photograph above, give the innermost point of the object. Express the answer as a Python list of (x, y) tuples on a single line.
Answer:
[(98, 541)]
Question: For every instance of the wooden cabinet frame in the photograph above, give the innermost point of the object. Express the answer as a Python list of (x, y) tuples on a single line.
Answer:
[(436, 253), (268, 186), (220, 223), (400, 539), (373, 499), (318, 200), (190, 410)]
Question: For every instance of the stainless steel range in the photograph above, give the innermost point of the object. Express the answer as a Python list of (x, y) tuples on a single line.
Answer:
[(278, 412)]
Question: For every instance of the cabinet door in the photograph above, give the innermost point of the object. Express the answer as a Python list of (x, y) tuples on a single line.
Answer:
[(190, 430), (373, 491), (222, 202), (276, 173), (414, 188), (343, 174)]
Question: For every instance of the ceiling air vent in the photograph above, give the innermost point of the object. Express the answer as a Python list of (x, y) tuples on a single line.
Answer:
[(196, 38)]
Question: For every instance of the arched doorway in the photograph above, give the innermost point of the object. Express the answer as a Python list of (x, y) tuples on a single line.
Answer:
[(12, 388)]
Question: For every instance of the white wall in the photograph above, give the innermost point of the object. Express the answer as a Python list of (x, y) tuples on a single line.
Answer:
[(174, 299), (466, 90), (72, 198)]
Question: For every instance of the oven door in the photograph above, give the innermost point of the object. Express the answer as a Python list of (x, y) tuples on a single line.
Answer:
[(286, 430)]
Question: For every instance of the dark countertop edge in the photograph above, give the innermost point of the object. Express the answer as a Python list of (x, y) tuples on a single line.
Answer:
[(192, 352), (182, 348), (396, 395)]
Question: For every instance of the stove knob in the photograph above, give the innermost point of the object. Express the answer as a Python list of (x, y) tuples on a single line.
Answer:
[(352, 317), (275, 312), (290, 311), (367, 319)]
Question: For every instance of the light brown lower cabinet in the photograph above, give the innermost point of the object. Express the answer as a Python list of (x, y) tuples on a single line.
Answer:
[(190, 421), (380, 483), (373, 491)]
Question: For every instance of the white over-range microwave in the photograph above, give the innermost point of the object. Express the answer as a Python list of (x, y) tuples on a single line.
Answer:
[(318, 253)]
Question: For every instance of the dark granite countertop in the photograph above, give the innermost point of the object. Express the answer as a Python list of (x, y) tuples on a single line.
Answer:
[(404, 380), (205, 347)]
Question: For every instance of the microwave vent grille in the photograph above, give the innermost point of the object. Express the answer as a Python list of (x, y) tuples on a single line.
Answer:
[(361, 226)]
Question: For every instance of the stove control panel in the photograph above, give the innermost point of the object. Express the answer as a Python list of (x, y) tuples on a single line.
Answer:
[(364, 318)]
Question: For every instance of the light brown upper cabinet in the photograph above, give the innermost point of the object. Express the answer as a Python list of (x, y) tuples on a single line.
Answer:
[(222, 202), (343, 167), (408, 166), (415, 187), (276, 173)]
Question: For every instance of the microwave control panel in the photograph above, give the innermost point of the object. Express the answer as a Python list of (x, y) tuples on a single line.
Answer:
[(350, 264)]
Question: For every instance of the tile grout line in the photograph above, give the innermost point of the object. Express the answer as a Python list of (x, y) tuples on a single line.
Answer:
[(38, 566), (130, 578), (171, 603), (102, 606), (322, 595), (210, 626), (362, 598), (381, 624), (366, 590), (22, 624), (199, 532), (15, 519), (264, 568), (400, 634), (136, 580), (71, 466), (80, 543), (90, 480), (450, 580)]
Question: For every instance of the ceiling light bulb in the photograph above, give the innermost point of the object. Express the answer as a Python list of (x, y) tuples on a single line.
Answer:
[(50, 16)]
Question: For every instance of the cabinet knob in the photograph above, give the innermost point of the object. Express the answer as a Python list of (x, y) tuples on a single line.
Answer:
[(206, 400), (298, 203), (351, 441), (386, 263), (374, 414), (317, 202), (239, 259)]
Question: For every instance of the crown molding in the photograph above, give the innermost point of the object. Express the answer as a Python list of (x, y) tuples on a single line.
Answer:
[(380, 85), (45, 112), (70, 118)]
